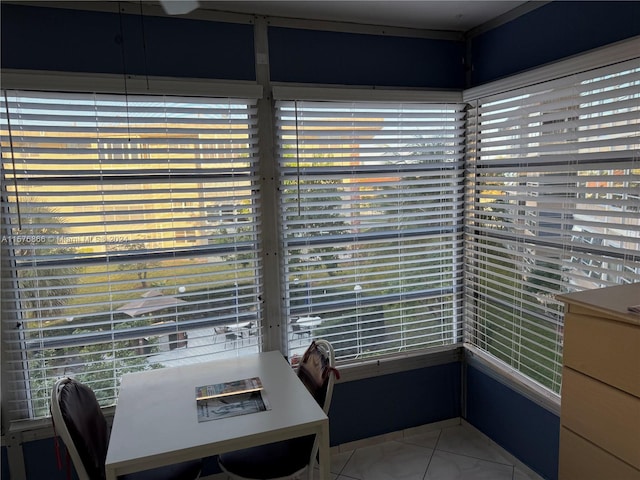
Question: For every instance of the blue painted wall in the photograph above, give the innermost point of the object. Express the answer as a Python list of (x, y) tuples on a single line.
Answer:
[(312, 56), (97, 42), (88, 41), (525, 429), (4, 464), (393, 402), (41, 461), (554, 31)]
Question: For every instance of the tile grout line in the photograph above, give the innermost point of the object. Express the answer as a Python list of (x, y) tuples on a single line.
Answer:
[(476, 458), (517, 463), (490, 443), (433, 452), (346, 463), (403, 436)]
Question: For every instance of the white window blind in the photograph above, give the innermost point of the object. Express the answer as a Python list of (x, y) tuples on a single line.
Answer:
[(371, 219), (553, 207), (130, 237)]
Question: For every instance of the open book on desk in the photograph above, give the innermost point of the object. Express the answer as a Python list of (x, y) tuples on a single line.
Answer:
[(229, 399)]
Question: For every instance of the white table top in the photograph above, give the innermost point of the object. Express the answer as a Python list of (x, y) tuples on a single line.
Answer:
[(156, 420)]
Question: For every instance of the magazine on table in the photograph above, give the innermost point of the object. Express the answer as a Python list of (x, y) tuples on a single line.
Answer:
[(230, 399), (235, 387)]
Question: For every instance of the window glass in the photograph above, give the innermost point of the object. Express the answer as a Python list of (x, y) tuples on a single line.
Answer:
[(553, 207), (371, 205), (130, 234)]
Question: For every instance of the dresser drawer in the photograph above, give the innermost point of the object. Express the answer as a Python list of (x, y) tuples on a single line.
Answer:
[(603, 349), (582, 460), (606, 416)]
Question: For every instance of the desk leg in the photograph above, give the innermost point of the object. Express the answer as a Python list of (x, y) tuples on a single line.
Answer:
[(324, 452), (110, 475)]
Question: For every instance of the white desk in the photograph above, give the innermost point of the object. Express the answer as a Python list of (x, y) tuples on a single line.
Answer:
[(156, 422)]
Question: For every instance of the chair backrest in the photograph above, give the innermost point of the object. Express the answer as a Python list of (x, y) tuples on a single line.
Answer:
[(317, 371), (79, 422)]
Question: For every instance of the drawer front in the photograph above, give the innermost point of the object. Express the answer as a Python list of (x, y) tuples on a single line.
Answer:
[(582, 460), (603, 349), (602, 414)]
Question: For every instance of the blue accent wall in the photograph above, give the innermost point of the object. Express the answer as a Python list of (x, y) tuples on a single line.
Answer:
[(554, 31), (522, 427), (43, 38), (97, 42), (388, 403), (199, 48), (4, 464), (41, 462), (312, 56)]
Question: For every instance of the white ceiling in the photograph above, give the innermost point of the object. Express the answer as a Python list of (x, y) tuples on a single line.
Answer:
[(452, 15)]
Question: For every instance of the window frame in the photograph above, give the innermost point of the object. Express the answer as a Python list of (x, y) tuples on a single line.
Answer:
[(359, 99), (55, 82), (52, 82), (559, 72)]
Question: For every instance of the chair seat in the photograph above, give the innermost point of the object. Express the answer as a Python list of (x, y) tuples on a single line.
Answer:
[(179, 471), (273, 460)]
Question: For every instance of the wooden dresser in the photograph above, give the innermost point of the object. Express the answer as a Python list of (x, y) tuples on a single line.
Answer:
[(600, 412)]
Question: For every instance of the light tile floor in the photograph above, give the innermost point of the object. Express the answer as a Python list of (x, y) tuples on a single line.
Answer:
[(453, 452)]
